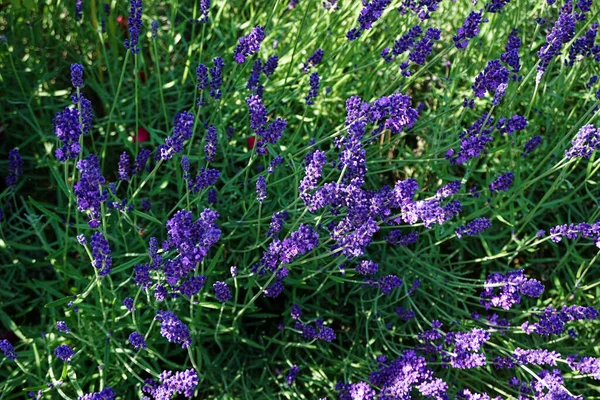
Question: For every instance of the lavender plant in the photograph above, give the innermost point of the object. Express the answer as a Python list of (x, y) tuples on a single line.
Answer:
[(299, 199)]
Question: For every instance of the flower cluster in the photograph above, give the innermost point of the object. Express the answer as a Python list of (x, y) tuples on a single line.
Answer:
[(473, 228), (586, 142), (173, 329), (575, 231), (182, 130), (370, 13), (505, 290), (502, 183), (469, 30), (15, 167), (89, 191), (562, 32), (422, 8), (249, 44), (183, 383), (318, 331), (101, 254), (135, 26)]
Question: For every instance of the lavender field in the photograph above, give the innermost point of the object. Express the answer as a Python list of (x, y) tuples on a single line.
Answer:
[(299, 199)]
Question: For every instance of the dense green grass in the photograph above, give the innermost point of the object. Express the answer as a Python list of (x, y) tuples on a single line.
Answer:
[(238, 349)]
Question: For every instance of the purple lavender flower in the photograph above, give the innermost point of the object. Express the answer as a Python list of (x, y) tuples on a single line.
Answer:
[(291, 376), (295, 311), (137, 340), (261, 189), (15, 168), (211, 197), (64, 352), (586, 142), (474, 140), (135, 26), (386, 283), (78, 11), (216, 78), (277, 223), (314, 88), (574, 231), (258, 114), (173, 329), (185, 167), (502, 183), (493, 79), (101, 254), (405, 315), (473, 228), (505, 290), (274, 163), (104, 394), (254, 79), (562, 32), (584, 45), (495, 6), (424, 47), (124, 167), (313, 60), (222, 292), (182, 130), (61, 326), (203, 82), (396, 238), (129, 304), (192, 286), (68, 129), (466, 353), (140, 161), (77, 75), (270, 66), (170, 384), (210, 149), (191, 239), (154, 28), (8, 349), (313, 169), (512, 124), (469, 30), (421, 8), (552, 321), (591, 82), (370, 13), (89, 191), (386, 55), (367, 267), (204, 9), (249, 44), (206, 177), (511, 55)]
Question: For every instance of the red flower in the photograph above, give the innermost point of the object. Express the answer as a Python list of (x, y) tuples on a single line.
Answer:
[(142, 76), (251, 141), (122, 23), (142, 135)]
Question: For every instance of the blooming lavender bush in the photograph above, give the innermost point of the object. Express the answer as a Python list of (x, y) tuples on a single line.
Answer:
[(300, 199)]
